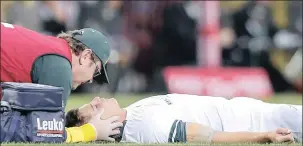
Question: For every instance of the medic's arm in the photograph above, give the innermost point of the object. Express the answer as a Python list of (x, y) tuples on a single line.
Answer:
[(53, 70)]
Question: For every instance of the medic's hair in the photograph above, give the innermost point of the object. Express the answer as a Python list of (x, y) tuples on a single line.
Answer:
[(72, 119), (76, 46)]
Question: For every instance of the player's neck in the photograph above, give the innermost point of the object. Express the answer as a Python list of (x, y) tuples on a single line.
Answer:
[(123, 115)]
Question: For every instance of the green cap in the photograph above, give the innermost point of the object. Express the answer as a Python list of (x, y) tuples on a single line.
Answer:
[(98, 43)]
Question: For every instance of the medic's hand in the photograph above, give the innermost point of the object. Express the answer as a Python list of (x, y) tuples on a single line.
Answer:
[(107, 127)]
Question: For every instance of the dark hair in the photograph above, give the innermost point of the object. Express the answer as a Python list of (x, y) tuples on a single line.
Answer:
[(75, 45), (72, 119)]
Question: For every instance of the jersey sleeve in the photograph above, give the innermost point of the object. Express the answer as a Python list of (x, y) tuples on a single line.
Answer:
[(165, 128), (53, 70), (177, 132)]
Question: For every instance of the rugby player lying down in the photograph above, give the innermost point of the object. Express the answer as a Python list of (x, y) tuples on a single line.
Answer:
[(190, 118)]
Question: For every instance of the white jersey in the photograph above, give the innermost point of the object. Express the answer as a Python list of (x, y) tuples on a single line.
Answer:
[(156, 119)]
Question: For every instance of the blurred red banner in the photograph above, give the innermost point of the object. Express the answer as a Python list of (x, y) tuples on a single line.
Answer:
[(209, 49), (225, 82)]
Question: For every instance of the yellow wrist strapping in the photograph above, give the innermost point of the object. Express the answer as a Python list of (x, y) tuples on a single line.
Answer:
[(83, 133), (89, 132)]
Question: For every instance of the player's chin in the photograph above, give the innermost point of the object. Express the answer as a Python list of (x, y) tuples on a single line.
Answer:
[(114, 100)]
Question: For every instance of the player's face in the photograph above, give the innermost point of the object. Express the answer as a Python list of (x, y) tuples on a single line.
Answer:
[(87, 111), (111, 108), (88, 66)]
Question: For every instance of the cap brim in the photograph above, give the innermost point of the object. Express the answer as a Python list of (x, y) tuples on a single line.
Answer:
[(104, 77)]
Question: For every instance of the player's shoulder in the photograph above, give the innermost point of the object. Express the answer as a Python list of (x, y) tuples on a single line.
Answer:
[(139, 125), (147, 124)]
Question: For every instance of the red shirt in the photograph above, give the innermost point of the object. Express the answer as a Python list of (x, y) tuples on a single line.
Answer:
[(20, 47)]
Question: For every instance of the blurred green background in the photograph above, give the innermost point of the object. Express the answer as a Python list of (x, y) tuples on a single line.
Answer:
[(77, 100)]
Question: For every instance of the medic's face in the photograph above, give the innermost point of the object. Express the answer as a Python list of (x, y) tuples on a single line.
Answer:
[(87, 67)]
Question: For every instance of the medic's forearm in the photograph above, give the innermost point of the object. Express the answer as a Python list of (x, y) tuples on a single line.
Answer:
[(85, 133)]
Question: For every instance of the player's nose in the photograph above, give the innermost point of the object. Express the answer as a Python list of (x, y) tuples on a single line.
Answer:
[(103, 100)]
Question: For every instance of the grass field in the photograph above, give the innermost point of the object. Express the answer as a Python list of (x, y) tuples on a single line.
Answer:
[(124, 100)]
